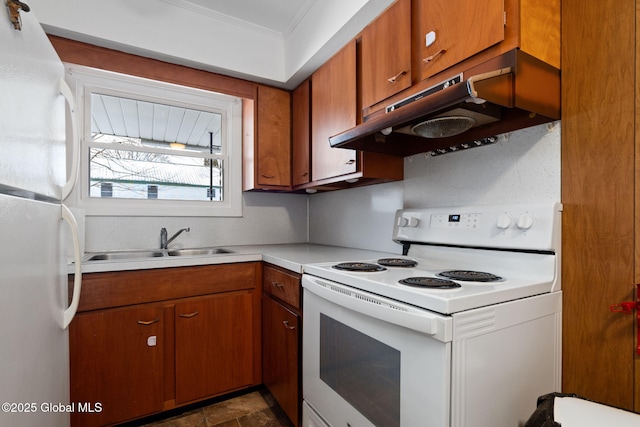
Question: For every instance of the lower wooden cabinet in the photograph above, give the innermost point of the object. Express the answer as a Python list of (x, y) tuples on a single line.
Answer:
[(281, 356), (214, 345), (281, 339), (147, 341), (117, 364)]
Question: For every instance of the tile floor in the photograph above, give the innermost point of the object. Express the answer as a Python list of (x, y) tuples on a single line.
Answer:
[(254, 409)]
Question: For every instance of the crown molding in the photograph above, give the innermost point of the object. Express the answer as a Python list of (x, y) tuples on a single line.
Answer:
[(229, 20)]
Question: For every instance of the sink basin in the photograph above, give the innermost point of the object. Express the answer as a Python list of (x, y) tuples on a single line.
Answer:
[(198, 251), (123, 255), (155, 253)]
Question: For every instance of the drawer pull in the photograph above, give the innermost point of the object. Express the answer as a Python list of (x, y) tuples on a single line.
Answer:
[(148, 322), (189, 315), (350, 162), (434, 56), (267, 176), (286, 325), (396, 77), (277, 285)]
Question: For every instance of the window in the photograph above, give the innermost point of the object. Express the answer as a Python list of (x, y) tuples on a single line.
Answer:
[(153, 148)]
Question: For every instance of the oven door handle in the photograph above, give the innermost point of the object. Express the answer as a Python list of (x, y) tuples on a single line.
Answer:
[(381, 308)]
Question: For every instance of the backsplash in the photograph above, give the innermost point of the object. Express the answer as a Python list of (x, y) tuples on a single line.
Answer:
[(522, 167), (267, 219)]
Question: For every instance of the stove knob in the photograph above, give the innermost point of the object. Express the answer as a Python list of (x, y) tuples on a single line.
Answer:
[(413, 221), (403, 222), (504, 222), (524, 222)]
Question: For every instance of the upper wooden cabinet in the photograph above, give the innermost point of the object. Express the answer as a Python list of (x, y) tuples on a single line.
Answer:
[(450, 31), (386, 54), (267, 154), (333, 110), (301, 133)]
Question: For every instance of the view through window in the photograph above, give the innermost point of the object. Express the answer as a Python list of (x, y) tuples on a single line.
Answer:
[(144, 150)]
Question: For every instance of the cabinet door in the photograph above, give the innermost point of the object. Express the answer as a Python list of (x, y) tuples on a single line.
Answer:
[(301, 133), (214, 345), (333, 110), (456, 30), (116, 359), (274, 137), (280, 356), (386, 54)]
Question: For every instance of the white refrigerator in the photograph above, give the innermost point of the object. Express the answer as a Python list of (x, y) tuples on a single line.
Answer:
[(34, 306)]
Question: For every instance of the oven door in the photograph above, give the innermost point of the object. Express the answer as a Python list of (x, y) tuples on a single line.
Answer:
[(372, 361)]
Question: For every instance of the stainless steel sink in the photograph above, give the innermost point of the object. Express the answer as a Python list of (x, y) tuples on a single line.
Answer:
[(198, 251), (156, 253), (123, 255)]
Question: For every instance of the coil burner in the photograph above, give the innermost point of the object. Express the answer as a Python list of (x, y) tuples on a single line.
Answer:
[(430, 283), (397, 262), (470, 276), (359, 266)]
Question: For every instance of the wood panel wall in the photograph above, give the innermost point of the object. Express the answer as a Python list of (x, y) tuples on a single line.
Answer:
[(598, 149), (113, 60)]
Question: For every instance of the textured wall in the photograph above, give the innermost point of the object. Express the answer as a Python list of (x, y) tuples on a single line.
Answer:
[(523, 166)]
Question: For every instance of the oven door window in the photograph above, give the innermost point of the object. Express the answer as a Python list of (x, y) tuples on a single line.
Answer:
[(361, 369)]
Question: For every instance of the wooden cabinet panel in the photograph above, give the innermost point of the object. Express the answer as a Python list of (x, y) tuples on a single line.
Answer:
[(333, 110), (301, 133), (273, 137), (282, 284), (459, 29), (386, 54), (214, 345), (281, 356), (116, 359), (119, 288)]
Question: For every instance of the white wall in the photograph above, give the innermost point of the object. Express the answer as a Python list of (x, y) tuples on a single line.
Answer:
[(523, 166), (267, 219), (181, 32)]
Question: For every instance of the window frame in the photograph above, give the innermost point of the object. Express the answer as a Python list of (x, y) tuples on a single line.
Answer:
[(86, 80)]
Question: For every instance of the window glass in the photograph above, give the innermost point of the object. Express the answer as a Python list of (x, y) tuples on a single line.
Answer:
[(361, 369), (153, 148)]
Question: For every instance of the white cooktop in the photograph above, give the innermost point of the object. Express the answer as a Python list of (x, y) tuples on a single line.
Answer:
[(518, 243)]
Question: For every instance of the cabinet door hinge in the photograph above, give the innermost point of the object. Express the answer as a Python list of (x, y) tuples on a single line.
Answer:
[(504, 18)]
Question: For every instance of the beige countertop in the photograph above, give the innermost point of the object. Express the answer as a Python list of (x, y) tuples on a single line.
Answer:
[(290, 256)]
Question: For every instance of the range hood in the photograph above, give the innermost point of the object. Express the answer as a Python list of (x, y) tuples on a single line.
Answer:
[(512, 91)]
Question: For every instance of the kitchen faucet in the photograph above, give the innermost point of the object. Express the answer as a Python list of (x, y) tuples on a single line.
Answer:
[(164, 242)]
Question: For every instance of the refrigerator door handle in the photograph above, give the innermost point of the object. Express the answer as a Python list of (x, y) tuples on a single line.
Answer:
[(70, 312), (65, 91)]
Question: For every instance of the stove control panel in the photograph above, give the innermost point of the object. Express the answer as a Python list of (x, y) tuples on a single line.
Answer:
[(459, 220), (527, 226)]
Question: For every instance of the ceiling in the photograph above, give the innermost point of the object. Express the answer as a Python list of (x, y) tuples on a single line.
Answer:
[(274, 42), (279, 16)]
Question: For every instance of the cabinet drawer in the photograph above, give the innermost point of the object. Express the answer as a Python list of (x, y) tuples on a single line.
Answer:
[(121, 288), (282, 284)]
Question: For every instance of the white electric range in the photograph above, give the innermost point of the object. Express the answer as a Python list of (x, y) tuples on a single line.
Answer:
[(463, 329)]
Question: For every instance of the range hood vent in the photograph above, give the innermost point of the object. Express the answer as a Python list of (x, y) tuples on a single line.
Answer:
[(510, 92)]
